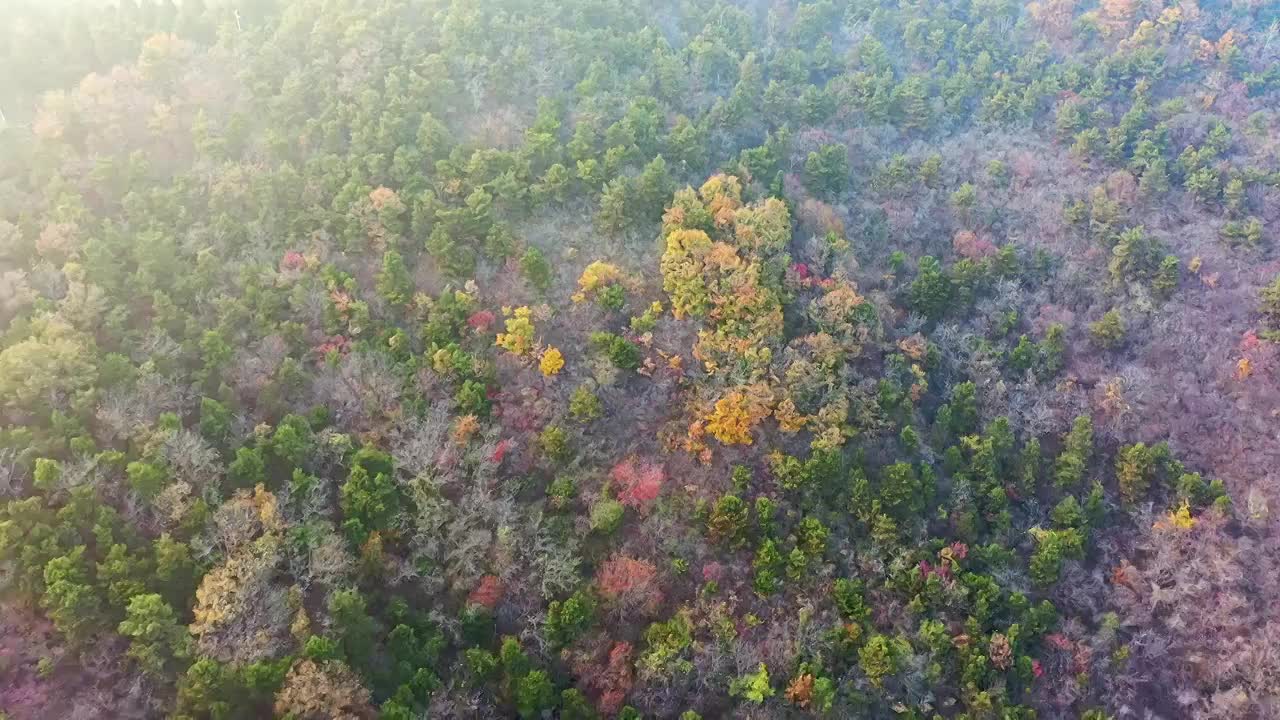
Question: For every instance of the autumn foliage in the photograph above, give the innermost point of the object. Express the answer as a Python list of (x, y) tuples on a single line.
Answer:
[(575, 359), (552, 361), (487, 592), (630, 583), (638, 483)]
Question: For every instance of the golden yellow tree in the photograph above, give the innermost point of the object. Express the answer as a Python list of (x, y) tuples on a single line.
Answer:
[(737, 413), (682, 266), (763, 228), (518, 339), (552, 361), (596, 277), (722, 194), (240, 614)]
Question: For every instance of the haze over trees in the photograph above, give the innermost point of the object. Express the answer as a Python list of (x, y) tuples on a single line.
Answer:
[(595, 359)]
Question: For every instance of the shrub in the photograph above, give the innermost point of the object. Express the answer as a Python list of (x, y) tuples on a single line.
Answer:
[(1270, 304), (1136, 466), (1108, 332), (848, 595), (623, 353), (248, 469), (535, 269), (584, 406), (554, 442), (767, 564), (826, 170), (1053, 547), (157, 639), (606, 516), (1074, 459), (728, 521), (881, 657), (568, 619), (535, 694), (371, 500), (753, 687)]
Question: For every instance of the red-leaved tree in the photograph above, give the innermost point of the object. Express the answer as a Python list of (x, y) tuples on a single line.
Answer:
[(639, 483), (630, 583), (487, 593), (604, 669), (616, 680)]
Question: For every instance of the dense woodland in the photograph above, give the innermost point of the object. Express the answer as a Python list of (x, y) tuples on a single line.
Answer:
[(683, 359)]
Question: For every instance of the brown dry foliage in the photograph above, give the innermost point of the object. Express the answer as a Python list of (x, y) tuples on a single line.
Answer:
[(1208, 627), (323, 691)]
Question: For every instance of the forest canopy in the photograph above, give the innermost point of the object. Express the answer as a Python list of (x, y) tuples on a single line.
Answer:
[(594, 359)]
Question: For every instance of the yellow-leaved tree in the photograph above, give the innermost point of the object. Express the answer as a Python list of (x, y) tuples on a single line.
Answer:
[(737, 413), (596, 277), (725, 262), (682, 266), (518, 339), (552, 361), (241, 613)]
